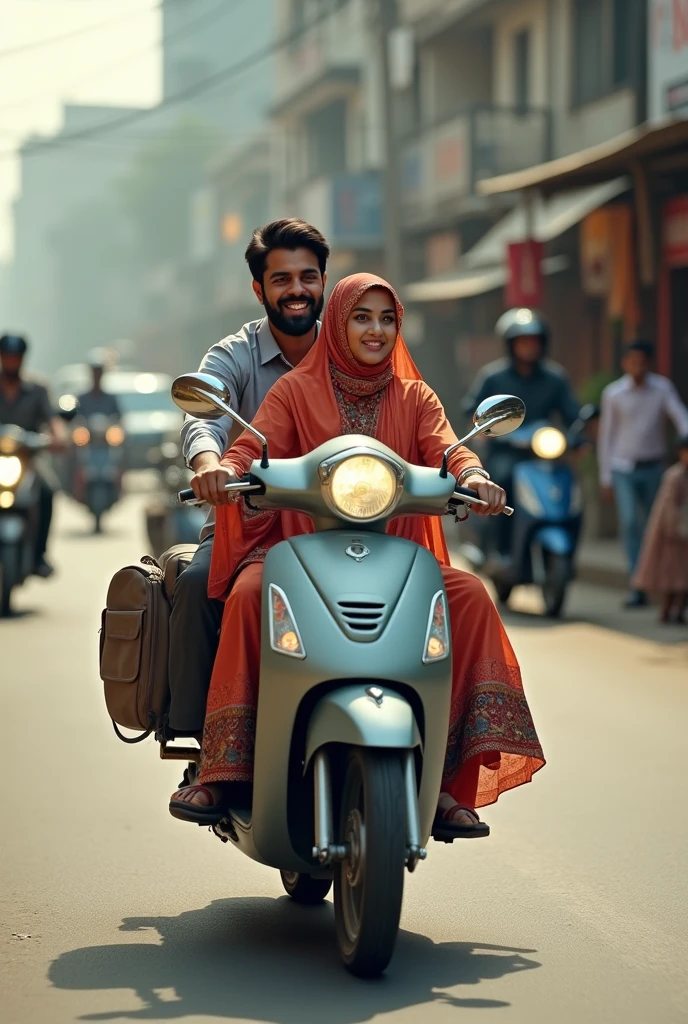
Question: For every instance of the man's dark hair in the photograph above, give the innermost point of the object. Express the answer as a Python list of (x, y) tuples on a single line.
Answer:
[(289, 233), (640, 345)]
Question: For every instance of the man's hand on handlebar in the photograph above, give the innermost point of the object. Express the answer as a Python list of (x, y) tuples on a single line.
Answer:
[(488, 491), (210, 478)]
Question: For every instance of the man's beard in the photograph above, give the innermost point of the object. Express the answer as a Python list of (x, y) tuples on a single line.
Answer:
[(294, 326), (11, 375)]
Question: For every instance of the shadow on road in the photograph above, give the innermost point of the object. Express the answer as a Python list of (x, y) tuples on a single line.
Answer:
[(271, 960)]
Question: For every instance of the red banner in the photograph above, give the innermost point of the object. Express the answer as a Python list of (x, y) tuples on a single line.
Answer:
[(524, 284), (675, 232)]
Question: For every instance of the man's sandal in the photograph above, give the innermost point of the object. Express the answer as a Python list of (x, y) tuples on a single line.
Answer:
[(208, 815)]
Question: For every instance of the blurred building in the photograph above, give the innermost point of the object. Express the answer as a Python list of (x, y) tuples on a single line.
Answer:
[(327, 130), (629, 272), (499, 86), (63, 225), (202, 293), (207, 39)]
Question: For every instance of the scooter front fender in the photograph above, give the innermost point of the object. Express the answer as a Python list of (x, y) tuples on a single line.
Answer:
[(351, 716), (556, 540)]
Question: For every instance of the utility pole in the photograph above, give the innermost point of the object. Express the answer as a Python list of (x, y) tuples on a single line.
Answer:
[(387, 19)]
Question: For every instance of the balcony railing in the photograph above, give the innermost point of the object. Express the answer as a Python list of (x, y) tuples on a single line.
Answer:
[(442, 165)]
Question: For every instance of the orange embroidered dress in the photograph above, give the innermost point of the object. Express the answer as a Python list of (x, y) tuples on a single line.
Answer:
[(492, 745)]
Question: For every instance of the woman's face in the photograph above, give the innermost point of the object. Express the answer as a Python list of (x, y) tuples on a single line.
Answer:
[(371, 329)]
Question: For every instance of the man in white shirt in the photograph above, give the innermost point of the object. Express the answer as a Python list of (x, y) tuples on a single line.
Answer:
[(632, 445)]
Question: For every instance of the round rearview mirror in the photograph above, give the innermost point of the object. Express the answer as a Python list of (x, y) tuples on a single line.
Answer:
[(201, 395), (499, 415)]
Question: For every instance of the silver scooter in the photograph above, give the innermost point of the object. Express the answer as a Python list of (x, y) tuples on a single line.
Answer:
[(355, 674)]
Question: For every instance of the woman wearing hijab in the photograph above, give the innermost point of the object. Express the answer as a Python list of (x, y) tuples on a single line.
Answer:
[(360, 379)]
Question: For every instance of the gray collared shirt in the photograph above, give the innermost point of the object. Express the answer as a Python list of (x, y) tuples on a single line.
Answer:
[(249, 363)]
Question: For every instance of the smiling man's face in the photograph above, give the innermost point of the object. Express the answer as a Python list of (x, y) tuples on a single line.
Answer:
[(292, 290)]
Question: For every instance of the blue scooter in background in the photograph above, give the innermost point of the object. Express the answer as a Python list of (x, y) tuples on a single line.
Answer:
[(546, 526)]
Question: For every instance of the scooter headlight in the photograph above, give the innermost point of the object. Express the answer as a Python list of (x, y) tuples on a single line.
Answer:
[(548, 443), (284, 633), (363, 487), (10, 470), (114, 435), (437, 635), (81, 436)]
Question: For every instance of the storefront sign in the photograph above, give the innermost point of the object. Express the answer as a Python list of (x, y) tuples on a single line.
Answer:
[(667, 59), (596, 253), (675, 232), (442, 253), (524, 284), (357, 210)]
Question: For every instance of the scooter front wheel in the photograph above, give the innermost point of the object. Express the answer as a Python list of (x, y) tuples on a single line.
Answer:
[(369, 883), (305, 888), (558, 573)]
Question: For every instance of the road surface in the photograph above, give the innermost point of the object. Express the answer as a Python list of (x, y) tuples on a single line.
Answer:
[(574, 910)]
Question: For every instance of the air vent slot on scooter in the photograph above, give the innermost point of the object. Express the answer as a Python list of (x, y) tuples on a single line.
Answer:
[(362, 616)]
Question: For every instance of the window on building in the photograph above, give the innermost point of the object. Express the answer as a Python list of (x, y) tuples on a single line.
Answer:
[(601, 39), (326, 129), (522, 69)]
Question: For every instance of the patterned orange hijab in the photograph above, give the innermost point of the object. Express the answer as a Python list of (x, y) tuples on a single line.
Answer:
[(301, 412)]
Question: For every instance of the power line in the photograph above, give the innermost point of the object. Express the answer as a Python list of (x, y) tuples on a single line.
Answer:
[(203, 85), (185, 29), (84, 30)]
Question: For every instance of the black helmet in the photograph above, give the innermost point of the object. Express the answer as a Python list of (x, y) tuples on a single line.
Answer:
[(13, 345), (519, 323)]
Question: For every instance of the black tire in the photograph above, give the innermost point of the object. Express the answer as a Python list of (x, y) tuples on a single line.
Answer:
[(9, 577), (5, 595), (305, 889), (368, 889), (558, 575), (503, 592)]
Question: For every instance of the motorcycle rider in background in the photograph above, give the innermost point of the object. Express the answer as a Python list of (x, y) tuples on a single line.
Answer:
[(27, 404), (544, 387), (95, 401)]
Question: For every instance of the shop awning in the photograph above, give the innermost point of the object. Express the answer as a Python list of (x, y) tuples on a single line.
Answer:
[(483, 268), (658, 147), (466, 284)]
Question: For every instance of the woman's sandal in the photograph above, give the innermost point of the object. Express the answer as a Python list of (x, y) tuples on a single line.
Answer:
[(195, 813), (444, 830)]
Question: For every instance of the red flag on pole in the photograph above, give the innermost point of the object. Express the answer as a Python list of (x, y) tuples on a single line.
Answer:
[(524, 283)]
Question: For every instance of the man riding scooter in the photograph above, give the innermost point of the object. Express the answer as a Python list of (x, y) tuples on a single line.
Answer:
[(287, 260), (540, 383), (27, 405), (96, 463), (95, 401)]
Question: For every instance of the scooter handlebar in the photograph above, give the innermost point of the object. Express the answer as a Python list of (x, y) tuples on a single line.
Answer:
[(467, 496), (187, 496)]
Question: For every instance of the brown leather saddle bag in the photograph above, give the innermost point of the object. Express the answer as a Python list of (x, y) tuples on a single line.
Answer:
[(134, 642)]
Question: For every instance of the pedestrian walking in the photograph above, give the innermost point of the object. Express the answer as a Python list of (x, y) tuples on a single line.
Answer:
[(663, 564), (632, 446)]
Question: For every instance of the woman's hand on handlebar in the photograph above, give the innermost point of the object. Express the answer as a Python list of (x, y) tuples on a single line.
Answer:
[(210, 479), (488, 491)]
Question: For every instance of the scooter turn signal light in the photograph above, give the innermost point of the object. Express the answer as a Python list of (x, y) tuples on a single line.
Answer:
[(437, 635), (284, 633)]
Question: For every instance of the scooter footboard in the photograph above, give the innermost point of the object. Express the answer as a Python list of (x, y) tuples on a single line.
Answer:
[(356, 717)]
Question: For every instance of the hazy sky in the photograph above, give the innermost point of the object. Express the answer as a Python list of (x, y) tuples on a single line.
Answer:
[(117, 63)]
